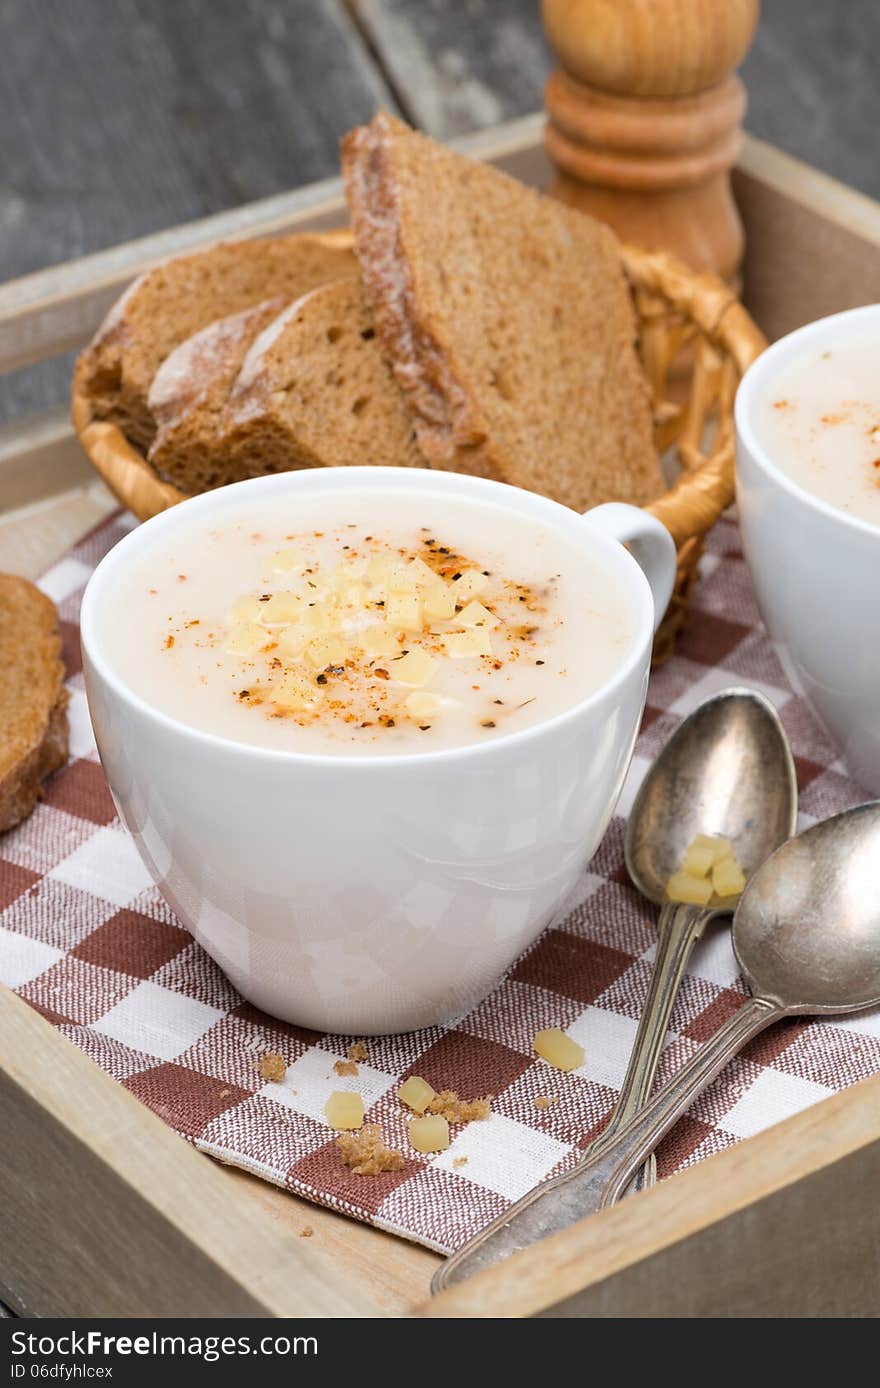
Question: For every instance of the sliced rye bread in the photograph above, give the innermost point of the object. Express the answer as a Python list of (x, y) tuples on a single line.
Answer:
[(190, 392), (33, 700), (179, 297), (506, 317), (314, 391)]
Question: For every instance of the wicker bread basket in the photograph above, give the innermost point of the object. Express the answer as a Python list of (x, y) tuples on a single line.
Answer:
[(696, 341)]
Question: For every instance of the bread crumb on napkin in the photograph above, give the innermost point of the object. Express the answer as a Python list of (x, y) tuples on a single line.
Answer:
[(273, 1066), (456, 1110), (366, 1152)]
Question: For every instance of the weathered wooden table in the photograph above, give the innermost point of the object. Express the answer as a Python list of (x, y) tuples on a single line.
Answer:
[(121, 117)]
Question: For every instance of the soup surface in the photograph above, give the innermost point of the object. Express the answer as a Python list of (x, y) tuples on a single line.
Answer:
[(819, 421), (376, 623)]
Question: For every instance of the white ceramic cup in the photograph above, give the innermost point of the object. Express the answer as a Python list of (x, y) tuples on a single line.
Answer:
[(815, 569), (375, 893)]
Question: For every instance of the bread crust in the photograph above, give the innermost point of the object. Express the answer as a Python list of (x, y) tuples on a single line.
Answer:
[(34, 732), (507, 320), (442, 412)]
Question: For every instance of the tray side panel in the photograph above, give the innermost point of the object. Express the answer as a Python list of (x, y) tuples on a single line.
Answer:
[(809, 1252), (813, 245), (104, 1211), (782, 1225)]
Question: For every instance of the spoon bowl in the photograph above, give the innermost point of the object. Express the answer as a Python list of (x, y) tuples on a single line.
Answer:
[(807, 929), (727, 770)]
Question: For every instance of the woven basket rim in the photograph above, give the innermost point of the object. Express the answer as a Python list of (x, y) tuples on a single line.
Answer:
[(688, 509)]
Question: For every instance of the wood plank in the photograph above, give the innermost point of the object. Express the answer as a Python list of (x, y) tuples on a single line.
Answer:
[(395, 1273), (127, 116), (106, 1212), (780, 1225), (811, 77), (798, 220), (458, 65)]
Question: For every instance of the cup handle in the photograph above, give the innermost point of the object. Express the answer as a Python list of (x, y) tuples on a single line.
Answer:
[(649, 543)]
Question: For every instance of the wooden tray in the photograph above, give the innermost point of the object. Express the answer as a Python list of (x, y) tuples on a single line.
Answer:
[(104, 1211)]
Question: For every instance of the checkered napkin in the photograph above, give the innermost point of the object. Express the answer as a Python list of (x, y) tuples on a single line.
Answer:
[(86, 939)]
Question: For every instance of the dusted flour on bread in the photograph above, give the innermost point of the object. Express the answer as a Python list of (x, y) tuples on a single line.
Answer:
[(190, 392), (507, 319)]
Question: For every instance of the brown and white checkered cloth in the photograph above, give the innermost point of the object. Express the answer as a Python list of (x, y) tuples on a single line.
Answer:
[(88, 941)]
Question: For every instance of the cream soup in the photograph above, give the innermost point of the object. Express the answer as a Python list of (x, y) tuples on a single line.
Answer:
[(819, 421), (364, 625)]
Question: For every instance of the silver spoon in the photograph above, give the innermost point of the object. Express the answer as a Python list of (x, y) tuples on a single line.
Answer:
[(726, 770), (807, 938)]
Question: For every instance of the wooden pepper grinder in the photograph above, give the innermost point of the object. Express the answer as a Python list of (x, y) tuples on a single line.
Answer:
[(644, 119)]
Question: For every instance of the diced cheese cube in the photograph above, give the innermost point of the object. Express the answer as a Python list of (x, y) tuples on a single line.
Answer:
[(421, 571), (319, 619), (285, 559), (719, 847), (378, 641), (698, 859), (415, 668), (695, 891), (353, 597), (400, 577), (421, 706), (294, 692), (429, 1134), (438, 604), (293, 640), (416, 1093), (330, 581), (246, 609), (326, 650), (246, 639), (281, 607), (476, 615), (344, 1110), (379, 566), (477, 641), (728, 878), (558, 1049), (403, 611), (471, 584), (425, 577)]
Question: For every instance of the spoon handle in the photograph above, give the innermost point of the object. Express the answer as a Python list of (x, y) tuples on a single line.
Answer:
[(678, 929), (602, 1174)]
